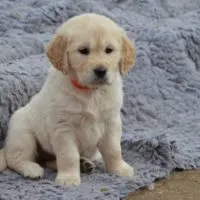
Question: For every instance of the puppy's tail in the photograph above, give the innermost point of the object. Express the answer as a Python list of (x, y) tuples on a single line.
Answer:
[(3, 164)]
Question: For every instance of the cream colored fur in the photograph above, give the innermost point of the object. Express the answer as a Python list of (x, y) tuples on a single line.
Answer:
[(67, 121)]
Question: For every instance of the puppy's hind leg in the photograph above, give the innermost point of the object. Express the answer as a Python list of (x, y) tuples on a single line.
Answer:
[(21, 148)]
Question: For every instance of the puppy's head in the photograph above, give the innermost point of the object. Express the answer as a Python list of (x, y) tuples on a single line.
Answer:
[(91, 49)]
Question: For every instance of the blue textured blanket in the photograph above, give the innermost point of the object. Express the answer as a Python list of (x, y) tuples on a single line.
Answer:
[(162, 94)]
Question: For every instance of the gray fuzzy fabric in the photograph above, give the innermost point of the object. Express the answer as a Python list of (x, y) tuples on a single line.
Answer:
[(162, 94)]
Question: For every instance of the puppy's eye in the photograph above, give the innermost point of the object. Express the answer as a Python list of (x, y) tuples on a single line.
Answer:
[(108, 50), (84, 51)]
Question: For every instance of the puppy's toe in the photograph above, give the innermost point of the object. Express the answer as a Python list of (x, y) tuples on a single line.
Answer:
[(32, 170), (67, 180), (123, 169), (127, 171), (86, 165)]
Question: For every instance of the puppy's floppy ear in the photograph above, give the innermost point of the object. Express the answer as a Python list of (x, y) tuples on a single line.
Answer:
[(128, 54), (56, 50)]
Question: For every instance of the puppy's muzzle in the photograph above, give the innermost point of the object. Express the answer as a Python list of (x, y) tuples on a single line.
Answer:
[(100, 72)]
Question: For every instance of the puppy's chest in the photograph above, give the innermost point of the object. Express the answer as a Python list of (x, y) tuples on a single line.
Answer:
[(94, 118), (101, 106), (90, 118), (104, 102), (98, 111), (94, 114), (89, 131)]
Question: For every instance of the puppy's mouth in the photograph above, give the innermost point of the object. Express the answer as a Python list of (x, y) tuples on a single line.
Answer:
[(95, 84), (100, 81)]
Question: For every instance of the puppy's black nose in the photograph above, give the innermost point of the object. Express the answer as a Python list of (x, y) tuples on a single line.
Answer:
[(100, 72)]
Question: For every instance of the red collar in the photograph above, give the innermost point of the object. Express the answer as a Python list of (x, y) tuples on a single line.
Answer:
[(76, 84)]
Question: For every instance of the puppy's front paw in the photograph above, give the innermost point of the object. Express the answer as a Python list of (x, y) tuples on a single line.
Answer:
[(67, 180), (123, 169)]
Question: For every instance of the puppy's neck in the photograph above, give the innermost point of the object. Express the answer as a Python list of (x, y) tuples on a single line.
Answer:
[(79, 86), (62, 83)]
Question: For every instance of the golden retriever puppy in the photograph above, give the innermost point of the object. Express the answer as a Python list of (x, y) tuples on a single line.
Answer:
[(77, 111)]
